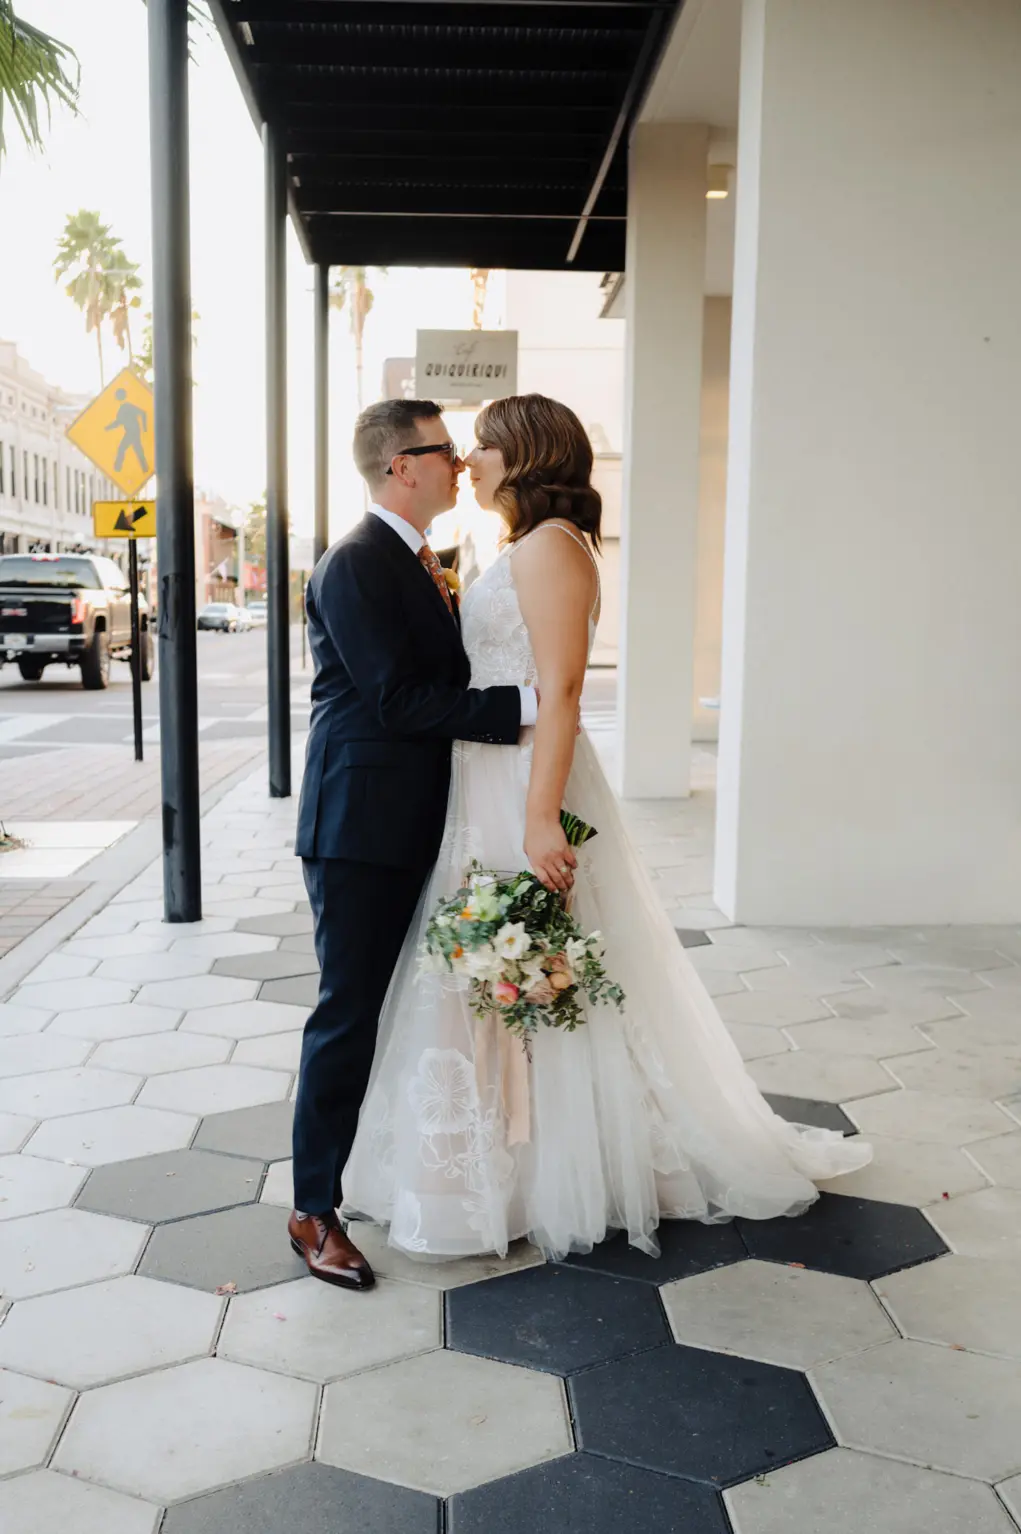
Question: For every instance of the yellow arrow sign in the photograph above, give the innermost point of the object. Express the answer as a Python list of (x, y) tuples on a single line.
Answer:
[(116, 431), (124, 519)]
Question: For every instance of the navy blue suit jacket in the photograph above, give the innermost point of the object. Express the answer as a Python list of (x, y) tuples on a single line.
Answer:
[(390, 695)]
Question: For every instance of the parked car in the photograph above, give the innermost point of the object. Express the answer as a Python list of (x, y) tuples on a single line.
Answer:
[(222, 616), (258, 612), (70, 610)]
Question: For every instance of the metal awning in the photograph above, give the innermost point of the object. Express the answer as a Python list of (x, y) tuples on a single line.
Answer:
[(451, 132)]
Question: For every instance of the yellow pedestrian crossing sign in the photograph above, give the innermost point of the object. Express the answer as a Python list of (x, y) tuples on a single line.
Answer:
[(124, 519), (116, 431)]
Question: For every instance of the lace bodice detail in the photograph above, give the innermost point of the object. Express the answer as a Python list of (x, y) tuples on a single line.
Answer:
[(493, 630)]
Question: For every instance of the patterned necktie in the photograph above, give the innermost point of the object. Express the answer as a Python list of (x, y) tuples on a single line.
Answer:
[(431, 562)]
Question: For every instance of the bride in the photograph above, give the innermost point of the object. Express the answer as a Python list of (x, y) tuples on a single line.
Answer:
[(464, 1143)]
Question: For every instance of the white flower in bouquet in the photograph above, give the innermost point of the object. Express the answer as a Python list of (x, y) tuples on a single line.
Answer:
[(576, 950), (482, 963), (596, 944), (512, 940)]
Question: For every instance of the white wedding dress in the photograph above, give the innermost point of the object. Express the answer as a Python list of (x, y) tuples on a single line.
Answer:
[(464, 1145)]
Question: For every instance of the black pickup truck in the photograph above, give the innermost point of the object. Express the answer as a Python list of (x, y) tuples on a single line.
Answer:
[(70, 610)]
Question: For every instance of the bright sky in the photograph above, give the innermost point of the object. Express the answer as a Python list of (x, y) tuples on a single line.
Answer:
[(100, 160)]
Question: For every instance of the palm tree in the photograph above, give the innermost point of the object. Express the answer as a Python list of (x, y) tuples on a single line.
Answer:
[(101, 276), (350, 290), (35, 71)]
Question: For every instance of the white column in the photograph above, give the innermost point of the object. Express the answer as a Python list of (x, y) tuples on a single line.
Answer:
[(664, 301), (870, 753)]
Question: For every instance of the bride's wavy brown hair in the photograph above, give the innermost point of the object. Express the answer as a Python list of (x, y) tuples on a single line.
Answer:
[(547, 464)]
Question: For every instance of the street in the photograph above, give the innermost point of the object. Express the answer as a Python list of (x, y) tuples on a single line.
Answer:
[(66, 752)]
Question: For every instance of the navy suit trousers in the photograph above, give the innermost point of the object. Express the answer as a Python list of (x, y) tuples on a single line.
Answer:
[(362, 913)]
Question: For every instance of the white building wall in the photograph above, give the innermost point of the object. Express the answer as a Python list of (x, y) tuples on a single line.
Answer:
[(870, 765)]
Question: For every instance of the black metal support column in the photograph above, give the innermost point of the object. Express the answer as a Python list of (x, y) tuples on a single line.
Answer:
[(175, 508), (278, 638), (321, 535)]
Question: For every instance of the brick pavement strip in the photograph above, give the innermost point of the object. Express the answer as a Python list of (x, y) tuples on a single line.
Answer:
[(103, 782), (25, 904)]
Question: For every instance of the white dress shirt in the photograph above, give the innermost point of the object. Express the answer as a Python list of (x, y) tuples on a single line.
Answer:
[(414, 539)]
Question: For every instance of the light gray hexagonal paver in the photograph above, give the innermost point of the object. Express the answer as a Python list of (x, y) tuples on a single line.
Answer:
[(253, 905), (224, 945), (73, 995), (1010, 1491), (778, 1009), (208, 926), (930, 1116), (844, 1492), (50, 1094), (188, 1429), (757, 1043), (29, 1185), (246, 1020), (984, 1224), (143, 968), (15, 1129), (64, 1247), (111, 1134), (1000, 1159), (495, 1418), (17, 1020), (953, 1411), (388, 1262), (878, 1039), (199, 991), (870, 1005), (215, 1089), (116, 947), (966, 1302), (108, 1331), (923, 979), (983, 1073), (734, 958), (153, 1053), (996, 1028), (320, 1333), (913, 1172), (44, 1501), (279, 1187), (275, 1051), (28, 1052), (60, 966), (826, 1078), (780, 1315), (32, 1413), (125, 1022)]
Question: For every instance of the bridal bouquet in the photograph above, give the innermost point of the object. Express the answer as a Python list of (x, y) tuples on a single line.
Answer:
[(523, 952)]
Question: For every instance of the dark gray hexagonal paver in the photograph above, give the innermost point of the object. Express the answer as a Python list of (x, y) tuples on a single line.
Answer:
[(171, 1186), (805, 1110), (286, 924), (704, 1416), (267, 966), (312, 1499), (581, 1492), (554, 1318), (247, 1247), (302, 991), (686, 1248), (263, 1132), (857, 1237)]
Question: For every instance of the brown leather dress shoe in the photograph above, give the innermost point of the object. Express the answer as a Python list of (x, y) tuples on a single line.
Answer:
[(321, 1240)]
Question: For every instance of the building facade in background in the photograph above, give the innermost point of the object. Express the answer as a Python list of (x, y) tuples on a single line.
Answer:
[(47, 486)]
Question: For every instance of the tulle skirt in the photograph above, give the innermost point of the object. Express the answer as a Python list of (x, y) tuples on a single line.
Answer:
[(465, 1145)]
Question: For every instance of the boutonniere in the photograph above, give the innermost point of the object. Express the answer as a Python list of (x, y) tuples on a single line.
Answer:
[(453, 581)]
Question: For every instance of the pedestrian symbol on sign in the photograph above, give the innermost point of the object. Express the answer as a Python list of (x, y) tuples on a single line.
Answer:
[(132, 421)]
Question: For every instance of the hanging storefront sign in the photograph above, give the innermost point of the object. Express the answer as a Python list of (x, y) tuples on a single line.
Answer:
[(466, 367)]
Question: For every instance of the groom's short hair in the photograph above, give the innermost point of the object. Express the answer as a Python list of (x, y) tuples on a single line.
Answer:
[(384, 430)]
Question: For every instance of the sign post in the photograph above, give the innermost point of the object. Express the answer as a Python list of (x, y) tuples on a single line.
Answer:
[(131, 520), (136, 647)]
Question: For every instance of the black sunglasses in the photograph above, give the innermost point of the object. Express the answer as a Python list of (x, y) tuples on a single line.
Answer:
[(450, 448)]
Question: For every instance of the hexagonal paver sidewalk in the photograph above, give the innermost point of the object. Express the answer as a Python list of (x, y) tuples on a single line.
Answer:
[(166, 1362)]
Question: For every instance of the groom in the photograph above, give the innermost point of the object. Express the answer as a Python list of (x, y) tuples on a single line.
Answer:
[(389, 696)]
